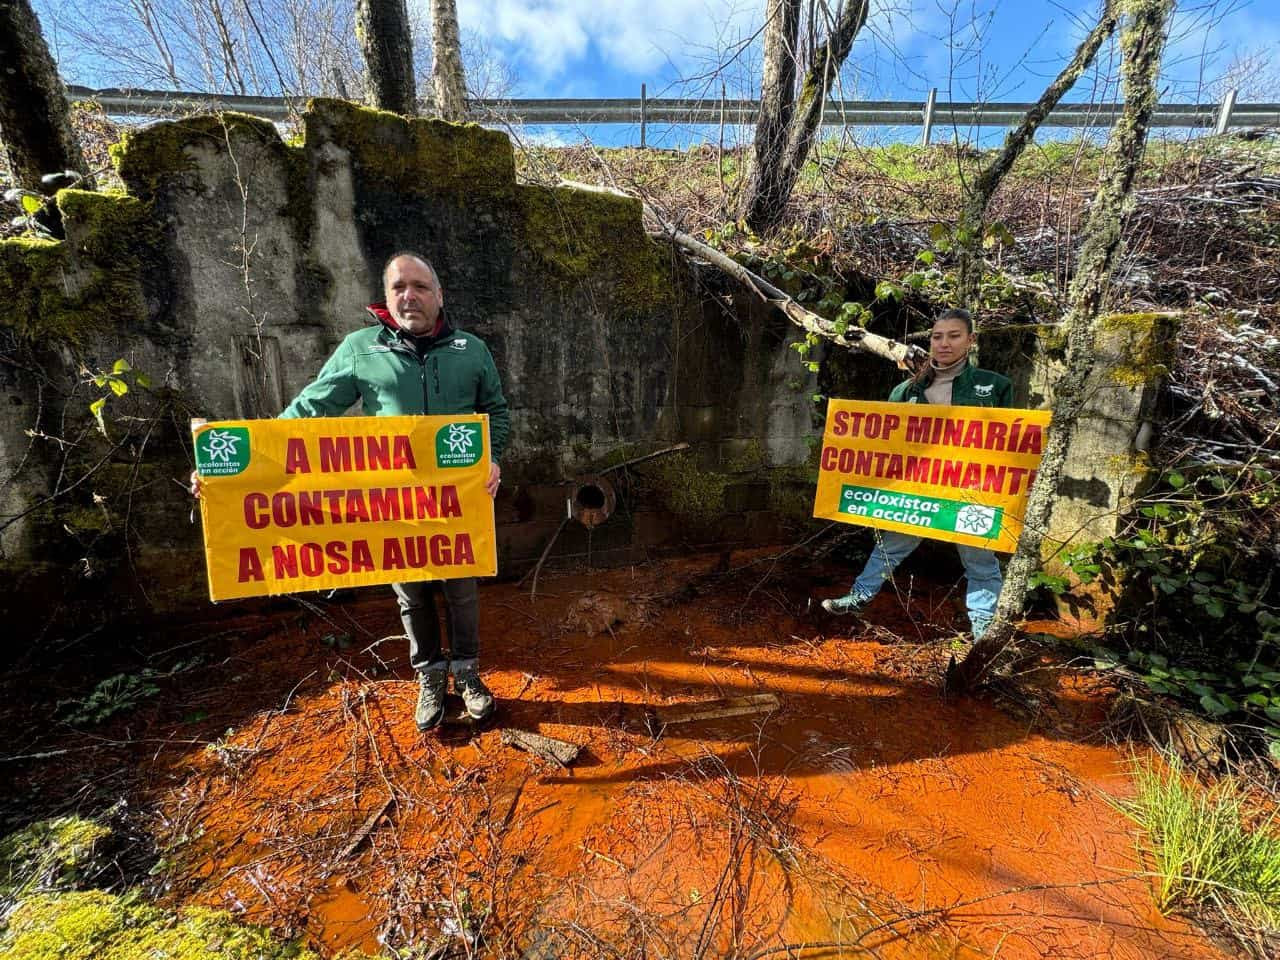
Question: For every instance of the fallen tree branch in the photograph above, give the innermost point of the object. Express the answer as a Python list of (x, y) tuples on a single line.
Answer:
[(905, 356)]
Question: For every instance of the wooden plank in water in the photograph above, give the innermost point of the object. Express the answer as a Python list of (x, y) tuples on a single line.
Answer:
[(658, 718), (366, 828)]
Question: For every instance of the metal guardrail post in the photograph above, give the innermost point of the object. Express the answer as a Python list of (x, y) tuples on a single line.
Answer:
[(928, 116), (1224, 112), (644, 113)]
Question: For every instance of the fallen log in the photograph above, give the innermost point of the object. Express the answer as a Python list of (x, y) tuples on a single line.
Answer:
[(906, 356), (658, 719)]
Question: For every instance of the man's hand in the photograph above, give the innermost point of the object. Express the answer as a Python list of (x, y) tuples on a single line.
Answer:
[(495, 478), (195, 484)]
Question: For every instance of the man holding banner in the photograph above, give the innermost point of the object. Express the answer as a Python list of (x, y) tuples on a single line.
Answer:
[(415, 362), (961, 475), (394, 513)]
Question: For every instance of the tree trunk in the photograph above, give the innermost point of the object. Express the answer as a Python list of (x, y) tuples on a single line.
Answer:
[(1142, 42), (763, 208), (382, 27), (973, 217), (448, 80), (35, 123), (777, 100)]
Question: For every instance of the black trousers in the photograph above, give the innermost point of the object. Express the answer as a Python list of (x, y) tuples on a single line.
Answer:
[(422, 624)]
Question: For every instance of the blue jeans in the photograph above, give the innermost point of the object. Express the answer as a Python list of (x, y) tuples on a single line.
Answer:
[(982, 575)]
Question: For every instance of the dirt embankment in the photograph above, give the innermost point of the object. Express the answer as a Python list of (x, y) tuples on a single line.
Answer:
[(284, 779)]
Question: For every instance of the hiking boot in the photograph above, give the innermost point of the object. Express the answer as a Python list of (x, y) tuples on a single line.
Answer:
[(431, 688), (843, 606), (475, 695)]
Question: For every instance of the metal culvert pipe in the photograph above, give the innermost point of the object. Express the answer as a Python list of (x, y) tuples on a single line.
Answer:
[(592, 500)]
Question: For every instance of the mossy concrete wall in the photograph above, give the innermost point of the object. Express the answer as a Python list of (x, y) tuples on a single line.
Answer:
[(236, 262)]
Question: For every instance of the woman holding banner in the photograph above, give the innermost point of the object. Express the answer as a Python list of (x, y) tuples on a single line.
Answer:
[(947, 379)]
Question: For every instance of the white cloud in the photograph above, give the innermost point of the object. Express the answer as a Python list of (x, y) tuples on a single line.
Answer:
[(636, 36)]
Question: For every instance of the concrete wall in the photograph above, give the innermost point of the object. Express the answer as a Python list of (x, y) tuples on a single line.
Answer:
[(236, 264)]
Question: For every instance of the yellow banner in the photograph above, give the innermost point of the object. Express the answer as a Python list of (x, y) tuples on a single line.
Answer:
[(293, 505), (949, 473)]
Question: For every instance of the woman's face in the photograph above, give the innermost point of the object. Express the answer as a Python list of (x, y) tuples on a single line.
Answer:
[(949, 341)]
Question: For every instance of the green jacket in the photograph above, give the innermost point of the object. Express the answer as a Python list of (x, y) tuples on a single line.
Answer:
[(381, 368), (974, 387)]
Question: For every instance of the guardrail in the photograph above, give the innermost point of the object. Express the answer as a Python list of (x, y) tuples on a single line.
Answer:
[(928, 114)]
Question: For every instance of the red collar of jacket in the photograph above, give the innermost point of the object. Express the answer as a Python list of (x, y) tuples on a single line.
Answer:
[(380, 313)]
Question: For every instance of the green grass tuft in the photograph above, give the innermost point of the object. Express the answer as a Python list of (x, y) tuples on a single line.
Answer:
[(1205, 852)]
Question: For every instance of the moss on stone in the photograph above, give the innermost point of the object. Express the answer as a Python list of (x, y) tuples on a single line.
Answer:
[(416, 157), (580, 235), (53, 854), (145, 158), (1142, 345), (65, 290), (1052, 341), (33, 281), (688, 491), (95, 925)]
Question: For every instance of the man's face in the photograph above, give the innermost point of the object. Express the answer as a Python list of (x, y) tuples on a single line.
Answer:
[(413, 296)]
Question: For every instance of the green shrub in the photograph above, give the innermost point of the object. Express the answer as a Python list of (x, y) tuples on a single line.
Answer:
[(1203, 852), (1200, 607)]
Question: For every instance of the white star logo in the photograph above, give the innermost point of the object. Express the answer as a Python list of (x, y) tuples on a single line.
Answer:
[(460, 438), (975, 520), (221, 445)]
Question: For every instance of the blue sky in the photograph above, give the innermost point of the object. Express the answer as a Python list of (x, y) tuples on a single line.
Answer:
[(969, 49), (601, 48)]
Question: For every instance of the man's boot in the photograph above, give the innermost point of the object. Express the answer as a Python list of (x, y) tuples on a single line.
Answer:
[(475, 695), (432, 684)]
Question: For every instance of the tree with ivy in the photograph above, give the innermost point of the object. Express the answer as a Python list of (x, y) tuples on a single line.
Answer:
[(382, 27), (1144, 27), (35, 122)]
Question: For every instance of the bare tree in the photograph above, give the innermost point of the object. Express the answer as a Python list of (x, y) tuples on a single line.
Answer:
[(382, 26), (264, 48), (972, 223), (448, 82), (765, 197), (35, 123), (1142, 41)]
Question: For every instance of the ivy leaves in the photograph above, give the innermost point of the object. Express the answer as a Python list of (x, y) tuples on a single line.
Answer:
[(117, 382)]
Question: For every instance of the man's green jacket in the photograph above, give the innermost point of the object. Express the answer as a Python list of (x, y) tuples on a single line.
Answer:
[(973, 387), (452, 373)]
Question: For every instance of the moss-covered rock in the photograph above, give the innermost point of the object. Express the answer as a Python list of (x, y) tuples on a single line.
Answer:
[(579, 235), (33, 286), (66, 290), (1143, 345), (160, 153), (56, 854), (414, 156), (95, 925)]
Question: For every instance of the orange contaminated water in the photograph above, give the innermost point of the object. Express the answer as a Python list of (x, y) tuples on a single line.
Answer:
[(866, 812)]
